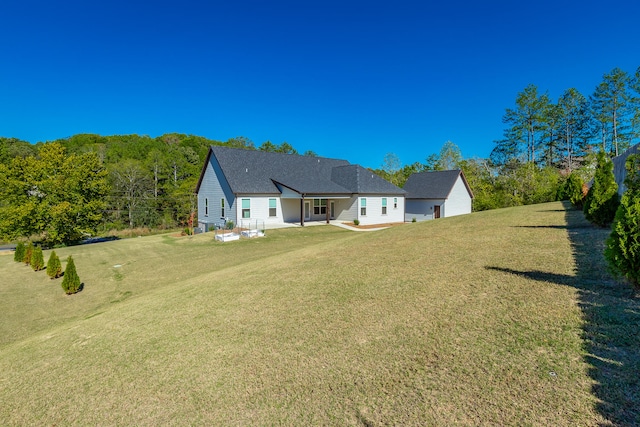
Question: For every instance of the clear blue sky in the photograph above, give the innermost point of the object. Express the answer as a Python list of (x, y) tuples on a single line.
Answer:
[(346, 79)]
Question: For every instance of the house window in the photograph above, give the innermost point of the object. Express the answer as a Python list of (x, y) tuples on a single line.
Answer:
[(320, 206), (206, 207), (395, 203), (221, 208), (384, 206), (363, 206), (246, 208), (272, 207)]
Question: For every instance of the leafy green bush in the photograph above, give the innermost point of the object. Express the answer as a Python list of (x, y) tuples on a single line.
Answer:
[(27, 254), (571, 190), (230, 225), (356, 222), (623, 245), (37, 259), (602, 200), (18, 256), (70, 281), (54, 267)]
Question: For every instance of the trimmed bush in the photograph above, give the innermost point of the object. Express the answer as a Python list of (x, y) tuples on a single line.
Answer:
[(54, 267), (70, 280), (602, 200), (356, 222), (623, 245), (18, 256), (37, 259), (27, 254)]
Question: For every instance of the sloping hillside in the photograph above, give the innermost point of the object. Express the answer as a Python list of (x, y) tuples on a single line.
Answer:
[(484, 318)]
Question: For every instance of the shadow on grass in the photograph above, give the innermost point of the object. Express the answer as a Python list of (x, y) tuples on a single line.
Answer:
[(611, 313)]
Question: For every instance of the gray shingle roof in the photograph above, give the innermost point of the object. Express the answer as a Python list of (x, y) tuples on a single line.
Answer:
[(359, 180), (433, 185), (256, 172)]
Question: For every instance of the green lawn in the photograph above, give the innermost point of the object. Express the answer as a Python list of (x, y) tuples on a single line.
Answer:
[(504, 317)]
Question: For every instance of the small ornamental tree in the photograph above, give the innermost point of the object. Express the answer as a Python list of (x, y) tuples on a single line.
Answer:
[(18, 256), (622, 251), (70, 280), (37, 259), (54, 268), (27, 254), (602, 200)]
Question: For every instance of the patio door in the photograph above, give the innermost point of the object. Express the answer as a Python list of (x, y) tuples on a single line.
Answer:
[(307, 211)]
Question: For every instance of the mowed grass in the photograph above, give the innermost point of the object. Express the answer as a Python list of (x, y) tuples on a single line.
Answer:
[(480, 319)]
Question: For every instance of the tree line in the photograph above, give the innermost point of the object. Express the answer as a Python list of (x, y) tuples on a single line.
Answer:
[(68, 188), (544, 143), (64, 190)]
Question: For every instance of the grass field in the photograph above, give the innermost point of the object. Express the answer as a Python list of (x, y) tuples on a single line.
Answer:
[(505, 317)]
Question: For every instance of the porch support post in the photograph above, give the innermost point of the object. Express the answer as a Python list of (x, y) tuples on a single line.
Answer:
[(328, 205), (302, 211)]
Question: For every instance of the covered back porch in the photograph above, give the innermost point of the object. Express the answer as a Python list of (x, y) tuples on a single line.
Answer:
[(317, 208)]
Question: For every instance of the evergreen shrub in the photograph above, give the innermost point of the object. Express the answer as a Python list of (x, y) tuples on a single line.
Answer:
[(27, 254), (18, 256), (571, 190), (602, 200), (54, 267), (622, 251), (70, 280), (37, 259)]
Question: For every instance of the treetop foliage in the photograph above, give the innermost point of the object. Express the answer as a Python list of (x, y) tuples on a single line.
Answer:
[(53, 195), (65, 189)]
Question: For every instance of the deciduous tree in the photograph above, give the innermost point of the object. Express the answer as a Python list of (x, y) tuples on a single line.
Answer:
[(57, 196)]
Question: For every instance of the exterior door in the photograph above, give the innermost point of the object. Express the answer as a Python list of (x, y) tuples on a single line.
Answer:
[(436, 212), (307, 211), (332, 210)]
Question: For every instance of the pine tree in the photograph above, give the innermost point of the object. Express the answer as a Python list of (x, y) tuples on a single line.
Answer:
[(28, 252), (37, 259), (70, 280), (54, 268), (623, 245), (602, 199), (18, 256)]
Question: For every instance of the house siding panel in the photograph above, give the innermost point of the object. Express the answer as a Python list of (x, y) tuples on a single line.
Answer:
[(459, 201), (259, 206), (422, 209), (346, 209), (214, 187), (374, 210)]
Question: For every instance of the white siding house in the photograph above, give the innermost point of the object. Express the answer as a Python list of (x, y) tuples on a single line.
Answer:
[(274, 188), (438, 194)]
